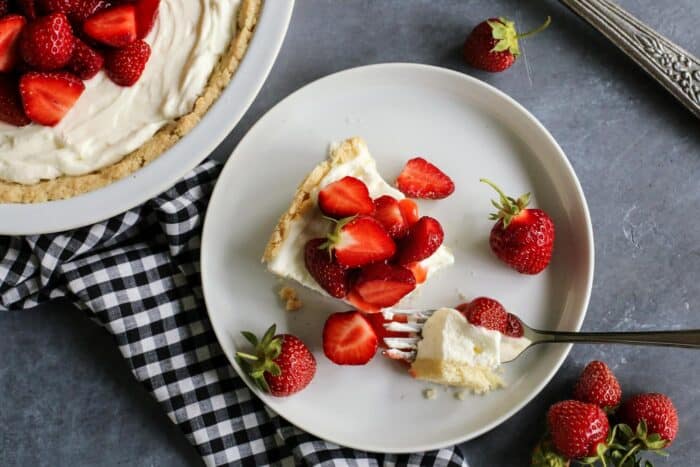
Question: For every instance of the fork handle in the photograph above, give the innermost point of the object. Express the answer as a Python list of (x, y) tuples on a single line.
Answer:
[(675, 68), (688, 339)]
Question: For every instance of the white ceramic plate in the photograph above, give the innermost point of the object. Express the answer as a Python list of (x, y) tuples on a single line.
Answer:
[(470, 130), (22, 219)]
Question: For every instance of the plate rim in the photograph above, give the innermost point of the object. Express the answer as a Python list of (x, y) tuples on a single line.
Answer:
[(193, 148), (589, 237)]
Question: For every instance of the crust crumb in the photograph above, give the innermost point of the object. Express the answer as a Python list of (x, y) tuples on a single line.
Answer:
[(291, 299)]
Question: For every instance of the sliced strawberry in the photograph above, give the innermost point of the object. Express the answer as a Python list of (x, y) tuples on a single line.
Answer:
[(76, 10), (355, 300), (86, 61), (28, 7), (11, 110), (388, 212), (48, 42), (377, 321), (345, 197), (487, 312), (419, 272), (383, 284), (47, 97), (125, 66), (409, 209), (359, 241), (421, 179), (423, 239), (115, 26), (328, 273), (146, 14), (348, 339), (514, 328), (10, 28)]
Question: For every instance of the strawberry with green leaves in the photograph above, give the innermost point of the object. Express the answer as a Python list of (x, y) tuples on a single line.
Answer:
[(493, 44), (522, 237), (281, 364)]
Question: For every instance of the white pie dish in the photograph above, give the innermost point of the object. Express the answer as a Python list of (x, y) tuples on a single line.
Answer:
[(469, 129), (85, 209)]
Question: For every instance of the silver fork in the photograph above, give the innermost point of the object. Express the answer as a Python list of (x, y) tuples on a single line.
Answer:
[(404, 348)]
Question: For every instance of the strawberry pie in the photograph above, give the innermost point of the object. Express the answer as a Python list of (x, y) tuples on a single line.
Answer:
[(92, 90), (350, 235)]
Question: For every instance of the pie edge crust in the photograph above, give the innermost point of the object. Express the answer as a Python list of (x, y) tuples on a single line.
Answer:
[(69, 186), (302, 201)]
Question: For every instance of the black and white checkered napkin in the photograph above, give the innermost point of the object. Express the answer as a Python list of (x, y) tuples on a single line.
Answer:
[(137, 275)]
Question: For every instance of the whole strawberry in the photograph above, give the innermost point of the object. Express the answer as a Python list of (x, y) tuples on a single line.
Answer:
[(323, 267), (281, 365), (658, 413), (493, 44), (522, 237), (598, 385), (486, 312), (577, 428), (47, 43)]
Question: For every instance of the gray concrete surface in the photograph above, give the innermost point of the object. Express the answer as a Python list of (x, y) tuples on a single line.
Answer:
[(66, 399)]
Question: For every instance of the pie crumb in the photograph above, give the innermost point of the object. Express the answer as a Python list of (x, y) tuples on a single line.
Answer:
[(460, 395), (292, 302), (430, 393)]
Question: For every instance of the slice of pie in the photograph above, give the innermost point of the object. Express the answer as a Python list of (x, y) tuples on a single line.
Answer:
[(116, 121), (338, 236)]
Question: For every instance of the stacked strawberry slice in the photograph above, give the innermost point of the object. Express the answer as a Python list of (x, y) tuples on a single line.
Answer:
[(374, 246), (49, 47), (372, 256)]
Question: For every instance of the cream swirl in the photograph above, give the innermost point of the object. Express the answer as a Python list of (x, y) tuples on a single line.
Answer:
[(109, 121)]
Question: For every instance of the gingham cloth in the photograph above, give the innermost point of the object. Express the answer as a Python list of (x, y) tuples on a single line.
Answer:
[(137, 275)]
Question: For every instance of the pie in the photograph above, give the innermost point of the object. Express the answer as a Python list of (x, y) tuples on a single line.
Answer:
[(112, 130)]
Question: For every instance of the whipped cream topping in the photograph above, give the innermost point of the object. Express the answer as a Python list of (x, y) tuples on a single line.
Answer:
[(110, 121), (448, 336), (289, 261)]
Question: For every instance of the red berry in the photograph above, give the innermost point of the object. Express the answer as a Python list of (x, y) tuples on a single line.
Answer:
[(86, 61), (124, 66), (359, 241), (10, 29), (409, 209), (423, 239), (383, 284), (146, 14), (493, 44), (657, 410), (345, 197), (387, 211), (281, 364), (348, 339), (11, 110), (514, 328), (522, 237), (421, 179), (330, 275), (115, 26), (48, 42), (576, 428), (76, 10), (598, 385), (47, 97), (486, 312)]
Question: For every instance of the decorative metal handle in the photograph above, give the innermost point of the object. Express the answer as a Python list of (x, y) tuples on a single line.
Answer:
[(675, 68), (688, 339)]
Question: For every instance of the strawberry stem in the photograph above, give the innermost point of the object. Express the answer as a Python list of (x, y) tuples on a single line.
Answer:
[(509, 207), (538, 30), (247, 356)]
